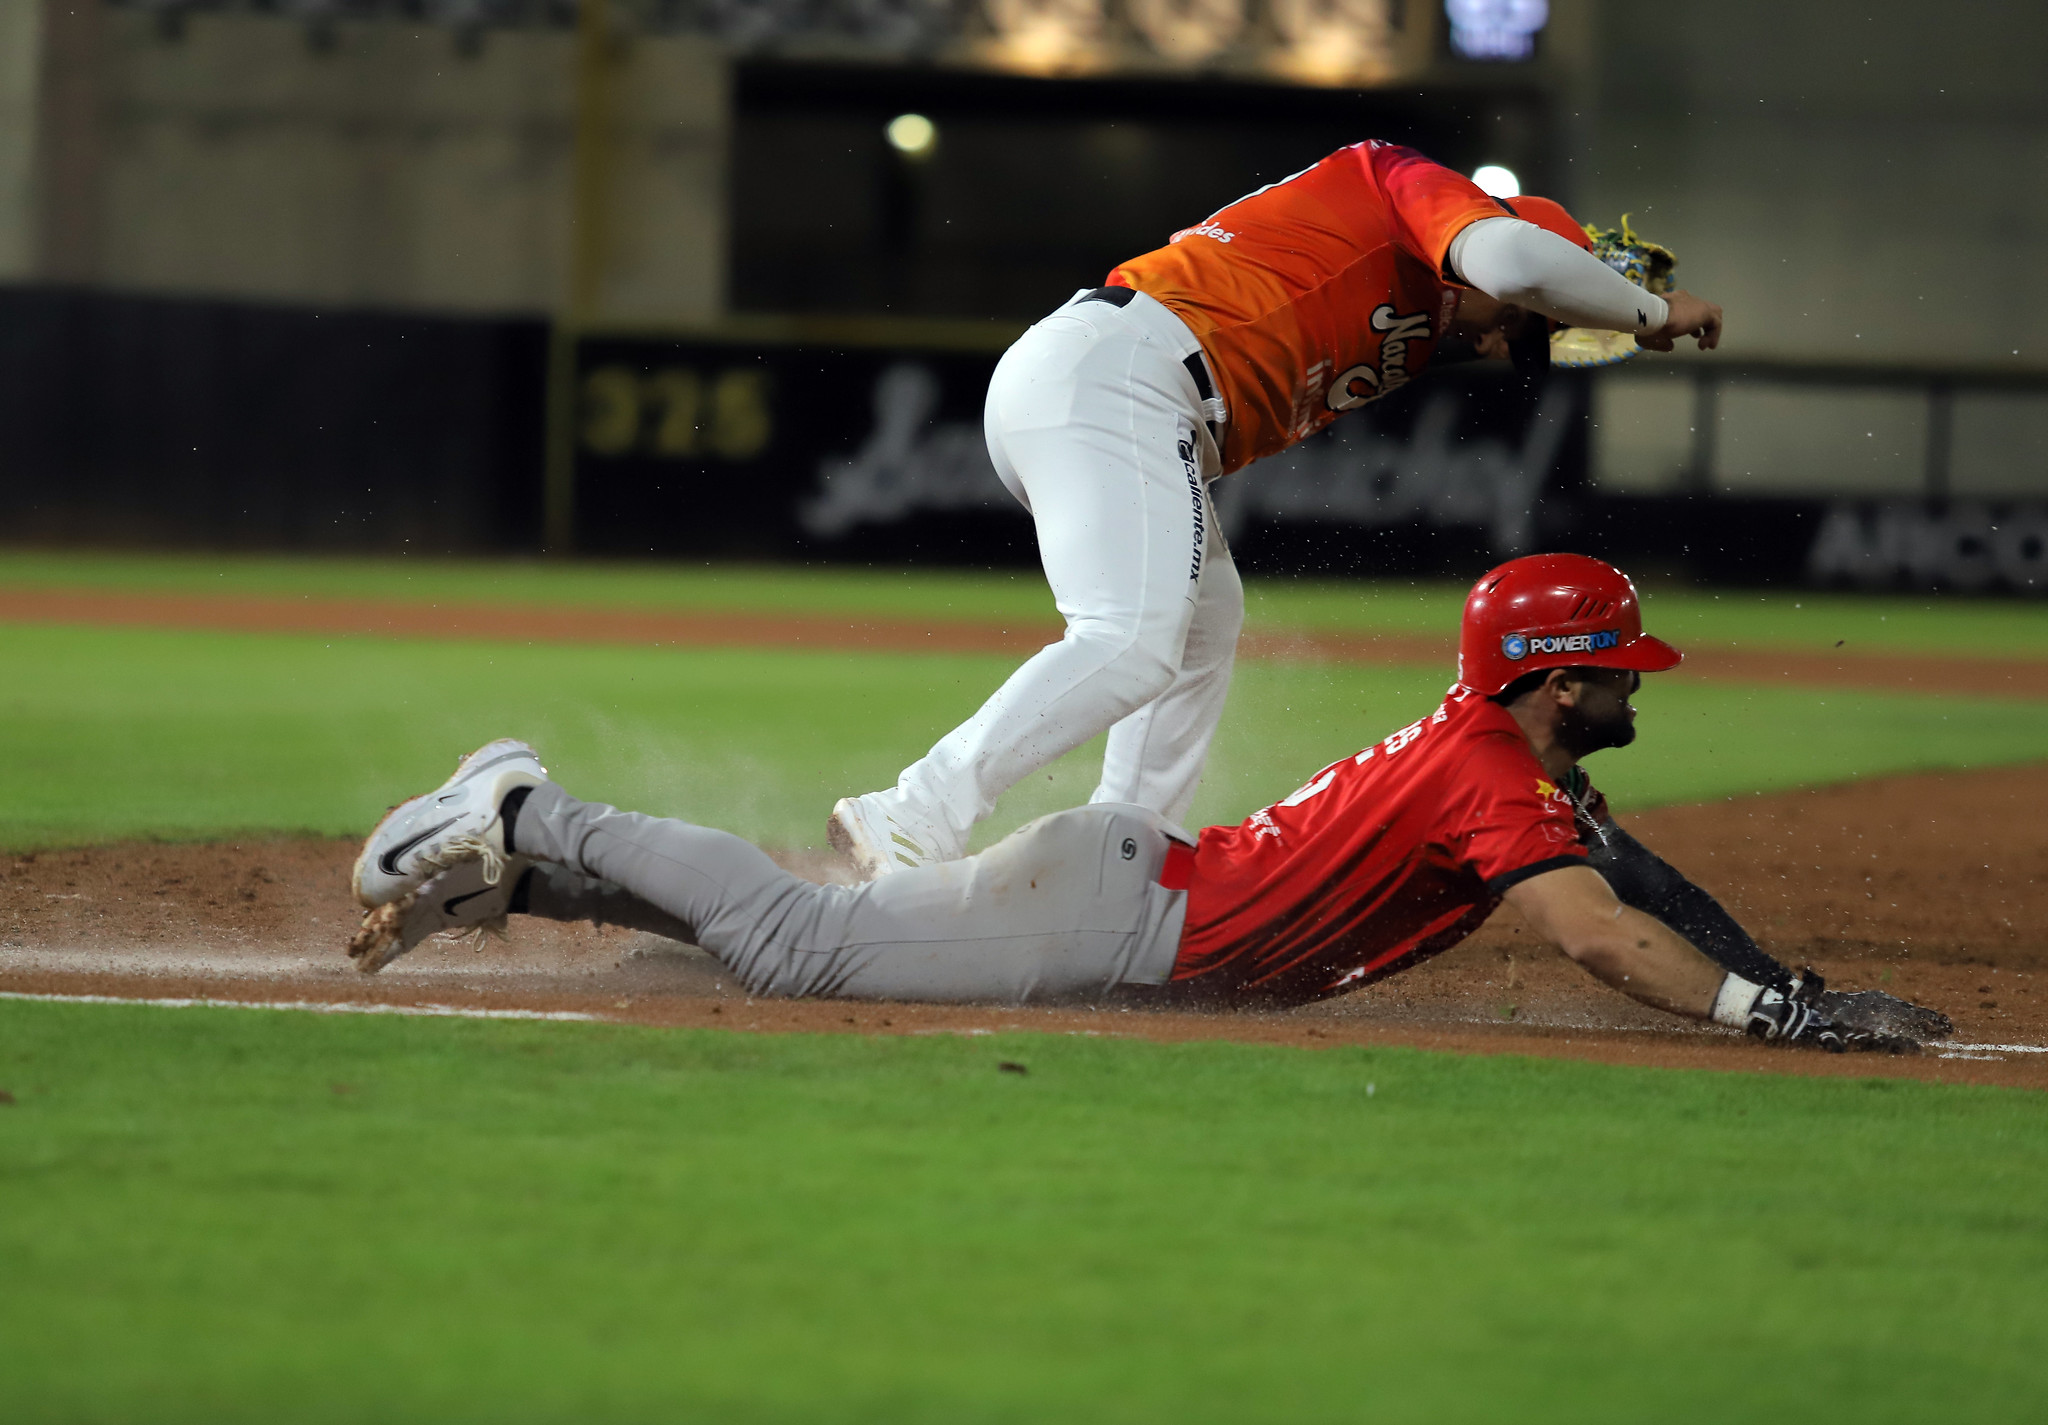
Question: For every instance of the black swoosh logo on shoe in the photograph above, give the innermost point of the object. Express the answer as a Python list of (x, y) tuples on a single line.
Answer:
[(388, 862), (448, 906)]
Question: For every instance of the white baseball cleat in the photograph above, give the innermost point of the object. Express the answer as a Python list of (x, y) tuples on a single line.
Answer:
[(879, 842), (458, 821), (460, 899)]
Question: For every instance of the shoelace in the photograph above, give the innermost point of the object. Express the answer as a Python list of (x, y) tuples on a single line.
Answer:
[(458, 849), (475, 936)]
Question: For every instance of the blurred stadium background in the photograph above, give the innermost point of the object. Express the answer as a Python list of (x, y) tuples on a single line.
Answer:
[(724, 278)]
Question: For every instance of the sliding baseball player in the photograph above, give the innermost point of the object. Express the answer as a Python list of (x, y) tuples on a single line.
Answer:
[(1244, 334), (1378, 862)]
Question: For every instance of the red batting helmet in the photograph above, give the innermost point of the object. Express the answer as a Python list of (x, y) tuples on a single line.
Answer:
[(1554, 611)]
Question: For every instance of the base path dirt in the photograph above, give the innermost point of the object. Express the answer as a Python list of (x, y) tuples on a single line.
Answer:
[(1934, 887), (1972, 677)]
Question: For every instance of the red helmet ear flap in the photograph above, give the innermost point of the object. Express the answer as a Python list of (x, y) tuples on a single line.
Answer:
[(1554, 611)]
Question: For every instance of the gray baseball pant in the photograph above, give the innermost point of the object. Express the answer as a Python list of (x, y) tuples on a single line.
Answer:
[(1068, 908)]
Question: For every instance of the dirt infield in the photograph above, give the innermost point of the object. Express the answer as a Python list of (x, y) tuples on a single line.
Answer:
[(1935, 887), (1974, 677)]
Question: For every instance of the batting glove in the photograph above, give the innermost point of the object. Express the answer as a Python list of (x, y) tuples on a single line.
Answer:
[(1798, 1016)]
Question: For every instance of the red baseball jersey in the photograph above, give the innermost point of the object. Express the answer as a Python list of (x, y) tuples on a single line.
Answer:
[(1382, 860), (1318, 293)]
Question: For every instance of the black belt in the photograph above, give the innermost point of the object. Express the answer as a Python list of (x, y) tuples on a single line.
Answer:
[(1197, 368), (1115, 296)]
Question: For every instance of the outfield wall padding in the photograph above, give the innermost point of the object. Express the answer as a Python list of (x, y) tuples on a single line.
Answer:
[(163, 421), (175, 422)]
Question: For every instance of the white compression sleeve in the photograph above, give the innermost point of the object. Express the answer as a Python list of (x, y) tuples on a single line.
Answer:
[(1519, 262)]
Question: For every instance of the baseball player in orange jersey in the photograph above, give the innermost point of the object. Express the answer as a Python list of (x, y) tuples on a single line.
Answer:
[(1245, 333), (1376, 863)]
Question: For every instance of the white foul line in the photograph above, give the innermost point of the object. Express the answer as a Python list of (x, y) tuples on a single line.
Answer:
[(1987, 1051), (449, 1011), (431, 1011)]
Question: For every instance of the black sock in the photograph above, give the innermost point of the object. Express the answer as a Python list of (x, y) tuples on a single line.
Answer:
[(508, 811), (522, 894)]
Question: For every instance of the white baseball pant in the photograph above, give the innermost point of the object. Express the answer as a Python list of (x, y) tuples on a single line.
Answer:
[(1096, 425)]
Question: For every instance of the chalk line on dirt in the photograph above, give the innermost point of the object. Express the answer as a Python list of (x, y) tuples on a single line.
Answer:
[(255, 964), (428, 1011), (449, 1011)]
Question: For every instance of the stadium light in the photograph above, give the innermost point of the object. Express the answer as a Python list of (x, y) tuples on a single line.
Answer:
[(913, 135), (1496, 29), (1497, 181)]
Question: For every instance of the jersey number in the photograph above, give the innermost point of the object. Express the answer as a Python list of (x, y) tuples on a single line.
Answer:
[(1322, 780)]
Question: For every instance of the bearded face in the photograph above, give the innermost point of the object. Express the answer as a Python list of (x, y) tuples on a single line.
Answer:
[(1600, 714)]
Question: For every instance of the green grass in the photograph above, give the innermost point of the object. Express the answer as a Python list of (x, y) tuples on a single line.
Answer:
[(671, 586), (115, 733), (1792, 619), (504, 1222)]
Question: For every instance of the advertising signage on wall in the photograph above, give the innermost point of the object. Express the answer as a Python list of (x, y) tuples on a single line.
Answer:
[(775, 451), (179, 422), (716, 449)]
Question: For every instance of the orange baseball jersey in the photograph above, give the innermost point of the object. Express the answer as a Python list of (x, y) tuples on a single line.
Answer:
[(1319, 293)]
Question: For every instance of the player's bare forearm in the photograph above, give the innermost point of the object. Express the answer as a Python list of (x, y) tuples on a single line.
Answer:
[(1645, 959), (1689, 316), (1644, 881)]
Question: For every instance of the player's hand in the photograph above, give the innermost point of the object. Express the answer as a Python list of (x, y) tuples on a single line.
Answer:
[(1797, 1018), (1690, 316), (1875, 1012)]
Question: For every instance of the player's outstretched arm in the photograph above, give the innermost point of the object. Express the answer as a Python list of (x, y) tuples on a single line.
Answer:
[(1522, 265), (1576, 910), (1642, 879), (1690, 316), (1648, 961)]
